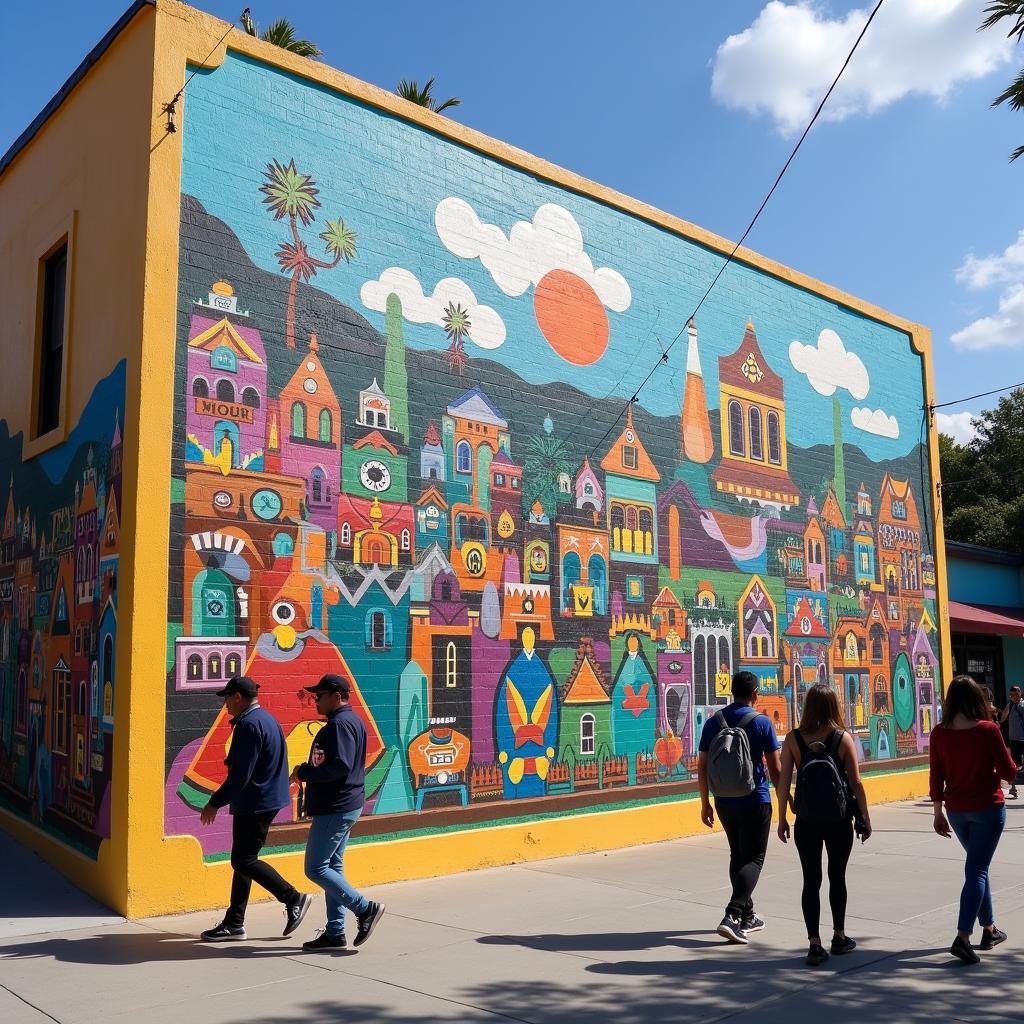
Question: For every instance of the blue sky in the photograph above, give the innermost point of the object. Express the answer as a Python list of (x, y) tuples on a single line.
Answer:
[(890, 202)]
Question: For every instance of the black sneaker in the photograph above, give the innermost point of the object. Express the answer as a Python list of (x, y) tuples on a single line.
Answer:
[(295, 912), (962, 948), (223, 933), (731, 929), (751, 923), (841, 946), (325, 941), (368, 921), (816, 956), (991, 938)]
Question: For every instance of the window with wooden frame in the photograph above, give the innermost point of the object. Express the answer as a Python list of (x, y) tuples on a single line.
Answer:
[(52, 339)]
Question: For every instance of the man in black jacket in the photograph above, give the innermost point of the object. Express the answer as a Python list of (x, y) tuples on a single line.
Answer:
[(334, 778), (256, 789)]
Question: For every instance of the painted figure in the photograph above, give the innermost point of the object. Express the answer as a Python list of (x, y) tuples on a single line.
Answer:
[(526, 723), (634, 706)]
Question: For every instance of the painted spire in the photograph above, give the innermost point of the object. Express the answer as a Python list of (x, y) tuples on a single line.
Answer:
[(839, 473), (695, 441)]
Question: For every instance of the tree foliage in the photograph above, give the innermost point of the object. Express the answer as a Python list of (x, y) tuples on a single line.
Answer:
[(983, 480), (281, 33), (423, 96), (1013, 94)]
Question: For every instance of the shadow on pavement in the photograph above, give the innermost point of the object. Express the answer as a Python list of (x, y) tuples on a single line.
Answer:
[(606, 942), (142, 947)]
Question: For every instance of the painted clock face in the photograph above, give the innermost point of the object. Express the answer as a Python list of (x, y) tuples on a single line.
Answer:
[(222, 499), (375, 476), (266, 503), (309, 386)]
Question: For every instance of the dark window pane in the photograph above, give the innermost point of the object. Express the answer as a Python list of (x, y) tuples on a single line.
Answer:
[(52, 347)]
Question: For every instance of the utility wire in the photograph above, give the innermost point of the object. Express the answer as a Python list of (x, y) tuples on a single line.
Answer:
[(750, 226), (983, 394), (170, 108)]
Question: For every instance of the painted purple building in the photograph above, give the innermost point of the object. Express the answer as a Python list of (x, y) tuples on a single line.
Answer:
[(226, 382)]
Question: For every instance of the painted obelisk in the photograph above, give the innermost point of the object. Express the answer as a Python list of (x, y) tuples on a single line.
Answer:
[(696, 442)]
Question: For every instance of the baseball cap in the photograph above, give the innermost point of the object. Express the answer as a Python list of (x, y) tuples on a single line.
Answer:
[(240, 684), (331, 683)]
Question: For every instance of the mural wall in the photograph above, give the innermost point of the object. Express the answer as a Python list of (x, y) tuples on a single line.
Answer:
[(403, 452), (59, 555)]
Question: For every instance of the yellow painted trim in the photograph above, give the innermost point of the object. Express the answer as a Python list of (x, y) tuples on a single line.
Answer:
[(52, 236)]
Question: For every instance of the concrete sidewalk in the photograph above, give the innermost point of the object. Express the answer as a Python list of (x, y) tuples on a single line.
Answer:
[(619, 937)]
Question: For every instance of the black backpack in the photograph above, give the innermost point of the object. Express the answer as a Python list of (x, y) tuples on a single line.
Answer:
[(821, 787)]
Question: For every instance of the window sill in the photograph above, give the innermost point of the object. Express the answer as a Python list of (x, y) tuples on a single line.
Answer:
[(51, 439)]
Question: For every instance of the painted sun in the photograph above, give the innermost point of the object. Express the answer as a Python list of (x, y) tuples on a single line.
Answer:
[(571, 317)]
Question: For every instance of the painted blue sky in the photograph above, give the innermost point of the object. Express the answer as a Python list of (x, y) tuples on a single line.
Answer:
[(901, 197)]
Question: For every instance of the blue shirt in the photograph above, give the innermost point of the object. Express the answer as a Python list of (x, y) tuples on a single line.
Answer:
[(763, 741)]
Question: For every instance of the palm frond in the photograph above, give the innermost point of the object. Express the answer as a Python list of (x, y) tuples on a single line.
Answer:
[(289, 193), (340, 239), (1001, 9), (1013, 94), (423, 96), (452, 101)]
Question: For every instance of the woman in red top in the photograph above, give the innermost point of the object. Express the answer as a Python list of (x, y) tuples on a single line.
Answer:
[(968, 759)]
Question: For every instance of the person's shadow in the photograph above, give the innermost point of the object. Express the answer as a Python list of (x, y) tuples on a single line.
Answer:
[(126, 948), (608, 942)]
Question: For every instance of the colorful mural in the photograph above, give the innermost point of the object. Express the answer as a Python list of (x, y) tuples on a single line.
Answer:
[(426, 478), (59, 556)]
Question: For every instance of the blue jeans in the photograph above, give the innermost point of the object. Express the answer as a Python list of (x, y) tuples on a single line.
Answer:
[(978, 832), (325, 853)]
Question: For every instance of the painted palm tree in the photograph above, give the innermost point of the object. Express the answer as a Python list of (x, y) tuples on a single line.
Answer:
[(547, 458), (281, 33), (456, 325), (289, 194), (423, 96)]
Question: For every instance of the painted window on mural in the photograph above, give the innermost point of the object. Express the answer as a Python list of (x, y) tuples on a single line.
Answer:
[(774, 439), (756, 448), (251, 398), (298, 420), (326, 426), (587, 732), (464, 457), (736, 443), (200, 388), (225, 390)]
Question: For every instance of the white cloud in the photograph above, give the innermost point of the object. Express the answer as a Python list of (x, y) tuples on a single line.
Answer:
[(552, 240), (487, 329), (875, 421), (829, 366), (957, 425), (1007, 266), (785, 61), (1004, 329)]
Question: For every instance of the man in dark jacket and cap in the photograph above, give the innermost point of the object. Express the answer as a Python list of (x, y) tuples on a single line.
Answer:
[(255, 790), (334, 779)]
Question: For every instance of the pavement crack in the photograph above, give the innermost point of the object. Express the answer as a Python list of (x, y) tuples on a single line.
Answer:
[(22, 999)]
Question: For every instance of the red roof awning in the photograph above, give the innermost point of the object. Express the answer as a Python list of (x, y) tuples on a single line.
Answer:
[(980, 618)]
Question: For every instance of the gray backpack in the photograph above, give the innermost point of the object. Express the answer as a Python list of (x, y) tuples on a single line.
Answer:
[(730, 764)]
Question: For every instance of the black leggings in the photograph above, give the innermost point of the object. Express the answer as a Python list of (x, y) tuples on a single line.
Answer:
[(837, 839)]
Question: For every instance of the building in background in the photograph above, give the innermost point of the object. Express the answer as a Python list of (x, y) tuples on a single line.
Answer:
[(986, 615)]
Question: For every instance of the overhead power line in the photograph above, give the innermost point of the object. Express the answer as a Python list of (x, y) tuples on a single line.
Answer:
[(785, 167), (970, 398)]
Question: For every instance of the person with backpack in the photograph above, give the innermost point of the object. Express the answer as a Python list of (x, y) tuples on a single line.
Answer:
[(738, 753), (968, 758), (1013, 716), (830, 798)]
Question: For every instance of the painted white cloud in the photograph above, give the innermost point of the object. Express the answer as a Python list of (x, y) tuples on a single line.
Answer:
[(551, 241), (1001, 268), (957, 425), (487, 329), (875, 421), (829, 366), (783, 64)]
